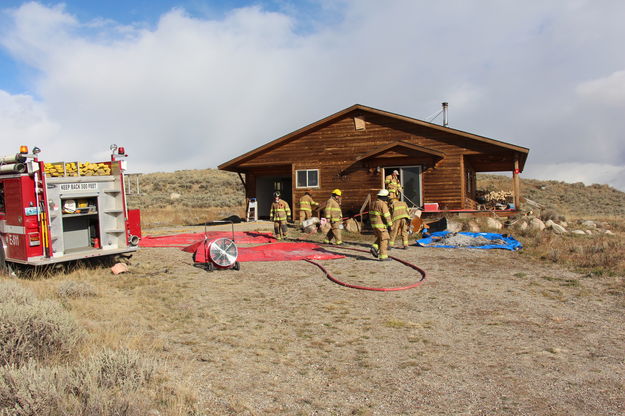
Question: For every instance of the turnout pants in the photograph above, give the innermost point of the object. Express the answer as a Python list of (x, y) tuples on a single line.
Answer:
[(334, 232), (399, 228), (279, 229), (304, 215), (381, 242)]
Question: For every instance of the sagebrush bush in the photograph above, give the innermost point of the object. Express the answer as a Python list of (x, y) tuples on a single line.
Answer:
[(74, 289), (34, 329), (11, 291), (108, 383)]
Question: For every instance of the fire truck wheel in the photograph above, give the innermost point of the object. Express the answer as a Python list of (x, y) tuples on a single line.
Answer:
[(210, 267), (236, 266), (4, 268)]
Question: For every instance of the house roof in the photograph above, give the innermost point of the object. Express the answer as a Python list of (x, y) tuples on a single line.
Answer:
[(405, 146), (232, 164)]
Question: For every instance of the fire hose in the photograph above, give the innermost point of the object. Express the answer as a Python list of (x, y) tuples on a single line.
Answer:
[(377, 289)]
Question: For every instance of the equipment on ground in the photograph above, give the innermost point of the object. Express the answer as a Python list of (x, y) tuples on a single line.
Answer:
[(221, 253), (63, 211)]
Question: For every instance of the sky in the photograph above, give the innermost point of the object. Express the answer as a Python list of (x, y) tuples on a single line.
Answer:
[(191, 84)]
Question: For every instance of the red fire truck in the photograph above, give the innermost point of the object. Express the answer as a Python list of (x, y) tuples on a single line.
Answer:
[(64, 211)]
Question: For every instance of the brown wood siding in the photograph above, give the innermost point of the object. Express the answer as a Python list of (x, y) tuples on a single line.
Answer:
[(333, 149)]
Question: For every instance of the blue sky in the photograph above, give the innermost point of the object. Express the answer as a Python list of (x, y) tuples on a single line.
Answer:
[(220, 78)]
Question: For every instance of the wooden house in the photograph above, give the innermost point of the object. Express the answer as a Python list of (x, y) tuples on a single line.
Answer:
[(354, 149)]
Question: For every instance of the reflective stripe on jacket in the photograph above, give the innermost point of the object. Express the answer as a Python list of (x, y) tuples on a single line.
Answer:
[(279, 211), (332, 210), (379, 215), (400, 210), (392, 184), (306, 202)]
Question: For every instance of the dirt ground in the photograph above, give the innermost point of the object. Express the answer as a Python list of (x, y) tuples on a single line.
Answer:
[(489, 332)]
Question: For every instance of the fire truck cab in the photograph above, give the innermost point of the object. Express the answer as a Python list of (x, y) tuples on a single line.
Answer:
[(64, 211)]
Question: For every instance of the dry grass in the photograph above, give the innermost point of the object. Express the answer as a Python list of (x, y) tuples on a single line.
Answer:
[(170, 216), (570, 199), (54, 364), (207, 188), (34, 329)]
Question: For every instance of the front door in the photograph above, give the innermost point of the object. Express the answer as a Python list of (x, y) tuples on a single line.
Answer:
[(410, 179)]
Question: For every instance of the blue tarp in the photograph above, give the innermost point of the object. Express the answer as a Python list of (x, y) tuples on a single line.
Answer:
[(504, 242)]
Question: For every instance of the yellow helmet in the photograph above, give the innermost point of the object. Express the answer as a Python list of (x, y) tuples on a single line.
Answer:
[(337, 192)]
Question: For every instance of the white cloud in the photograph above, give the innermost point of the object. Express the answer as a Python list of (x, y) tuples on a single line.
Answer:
[(194, 92)]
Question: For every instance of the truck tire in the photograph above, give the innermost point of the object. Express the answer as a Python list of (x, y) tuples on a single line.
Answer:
[(4, 268)]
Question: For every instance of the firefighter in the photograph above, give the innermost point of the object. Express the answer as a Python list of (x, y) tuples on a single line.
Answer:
[(279, 214), (393, 184), (306, 207), (381, 221), (333, 214), (399, 213)]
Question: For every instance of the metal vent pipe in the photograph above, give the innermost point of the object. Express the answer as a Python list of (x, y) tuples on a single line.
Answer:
[(445, 120)]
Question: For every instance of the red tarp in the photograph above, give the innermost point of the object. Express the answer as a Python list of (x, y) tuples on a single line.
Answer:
[(273, 252), (184, 240)]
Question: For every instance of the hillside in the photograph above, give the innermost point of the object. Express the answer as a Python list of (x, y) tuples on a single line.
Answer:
[(212, 188), (573, 199)]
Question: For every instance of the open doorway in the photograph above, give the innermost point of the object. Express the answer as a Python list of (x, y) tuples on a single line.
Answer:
[(410, 179), (266, 186)]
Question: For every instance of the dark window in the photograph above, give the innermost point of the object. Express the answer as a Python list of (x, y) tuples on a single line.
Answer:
[(308, 178)]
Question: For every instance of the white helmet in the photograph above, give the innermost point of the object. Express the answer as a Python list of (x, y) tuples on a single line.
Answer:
[(383, 192)]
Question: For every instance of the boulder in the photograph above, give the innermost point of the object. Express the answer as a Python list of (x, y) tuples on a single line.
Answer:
[(588, 232), (558, 229), (352, 226), (472, 226), (521, 226), (454, 226), (589, 224), (536, 224), (578, 232), (492, 223), (608, 232), (325, 227)]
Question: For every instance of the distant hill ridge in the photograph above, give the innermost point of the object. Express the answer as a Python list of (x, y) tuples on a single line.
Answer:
[(209, 188)]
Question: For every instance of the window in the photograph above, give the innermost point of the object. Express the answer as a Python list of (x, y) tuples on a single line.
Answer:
[(1, 197), (308, 178)]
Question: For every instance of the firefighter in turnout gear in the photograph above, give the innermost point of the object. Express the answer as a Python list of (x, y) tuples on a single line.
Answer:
[(306, 206), (333, 214), (401, 222), (279, 214), (381, 221), (393, 184)]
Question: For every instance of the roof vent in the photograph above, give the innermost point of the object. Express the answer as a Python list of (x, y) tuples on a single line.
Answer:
[(445, 120)]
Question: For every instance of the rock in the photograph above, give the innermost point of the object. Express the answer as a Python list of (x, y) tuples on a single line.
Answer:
[(589, 224), (608, 232), (492, 223), (558, 229), (472, 226), (588, 232), (454, 226), (521, 226), (549, 223), (536, 225), (578, 232), (564, 224), (325, 227), (174, 195), (352, 226)]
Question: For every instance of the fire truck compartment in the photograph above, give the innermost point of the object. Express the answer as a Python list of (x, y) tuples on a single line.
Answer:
[(88, 212)]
